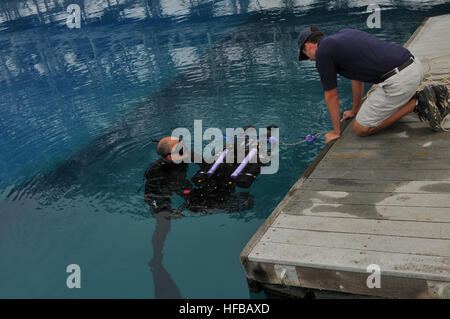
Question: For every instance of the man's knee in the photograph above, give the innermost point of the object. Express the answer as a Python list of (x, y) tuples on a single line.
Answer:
[(360, 130)]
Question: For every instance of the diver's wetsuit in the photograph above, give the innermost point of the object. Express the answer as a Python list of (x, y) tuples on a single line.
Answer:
[(163, 180)]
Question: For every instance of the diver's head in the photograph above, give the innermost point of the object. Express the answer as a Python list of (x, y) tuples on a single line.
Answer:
[(171, 150)]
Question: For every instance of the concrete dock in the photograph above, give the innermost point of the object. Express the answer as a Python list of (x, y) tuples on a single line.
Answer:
[(382, 200)]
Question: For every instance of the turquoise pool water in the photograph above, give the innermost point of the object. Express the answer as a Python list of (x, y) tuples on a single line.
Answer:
[(79, 108)]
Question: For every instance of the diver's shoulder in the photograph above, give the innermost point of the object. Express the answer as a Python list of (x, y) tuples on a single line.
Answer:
[(153, 168)]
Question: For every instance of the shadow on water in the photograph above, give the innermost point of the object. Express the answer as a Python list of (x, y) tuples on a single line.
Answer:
[(165, 287)]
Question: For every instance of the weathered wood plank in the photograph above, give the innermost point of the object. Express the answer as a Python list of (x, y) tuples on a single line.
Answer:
[(412, 229), (389, 163), (353, 260), (401, 158), (356, 283), (368, 211), (381, 243), (386, 186), (427, 143), (340, 281), (371, 198), (417, 174)]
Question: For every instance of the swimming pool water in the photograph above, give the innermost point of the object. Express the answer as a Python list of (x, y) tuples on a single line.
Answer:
[(79, 108)]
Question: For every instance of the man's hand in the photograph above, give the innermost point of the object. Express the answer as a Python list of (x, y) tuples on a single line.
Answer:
[(331, 136), (347, 115)]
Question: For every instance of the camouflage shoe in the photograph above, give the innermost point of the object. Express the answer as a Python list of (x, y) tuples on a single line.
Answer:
[(427, 108), (441, 92)]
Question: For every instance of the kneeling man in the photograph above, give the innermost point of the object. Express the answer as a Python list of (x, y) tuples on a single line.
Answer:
[(361, 57)]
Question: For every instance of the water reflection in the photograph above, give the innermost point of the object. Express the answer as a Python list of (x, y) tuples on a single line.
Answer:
[(38, 12), (89, 170), (57, 83), (26, 13)]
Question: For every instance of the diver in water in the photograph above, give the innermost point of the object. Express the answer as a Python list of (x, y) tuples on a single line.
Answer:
[(214, 189), (215, 183), (166, 177)]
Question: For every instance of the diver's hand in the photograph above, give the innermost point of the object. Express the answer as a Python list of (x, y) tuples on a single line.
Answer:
[(347, 115), (331, 136), (176, 214), (169, 213)]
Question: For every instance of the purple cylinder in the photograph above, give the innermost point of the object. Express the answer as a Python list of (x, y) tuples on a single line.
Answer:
[(217, 163), (244, 163)]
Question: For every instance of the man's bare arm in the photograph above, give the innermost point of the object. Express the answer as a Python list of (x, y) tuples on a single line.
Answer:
[(358, 91), (332, 101)]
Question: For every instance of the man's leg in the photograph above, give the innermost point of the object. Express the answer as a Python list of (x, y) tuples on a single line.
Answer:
[(390, 101), (362, 130)]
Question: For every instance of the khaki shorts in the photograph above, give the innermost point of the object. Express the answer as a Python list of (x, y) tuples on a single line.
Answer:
[(390, 95)]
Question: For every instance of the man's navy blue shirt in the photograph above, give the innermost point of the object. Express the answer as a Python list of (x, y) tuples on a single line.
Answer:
[(356, 55)]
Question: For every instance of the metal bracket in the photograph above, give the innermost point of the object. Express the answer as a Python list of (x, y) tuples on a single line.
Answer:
[(287, 275)]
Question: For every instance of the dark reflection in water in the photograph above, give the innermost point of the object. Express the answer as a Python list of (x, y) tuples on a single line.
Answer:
[(165, 287)]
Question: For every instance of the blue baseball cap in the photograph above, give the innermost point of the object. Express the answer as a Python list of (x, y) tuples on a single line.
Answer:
[(302, 37)]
